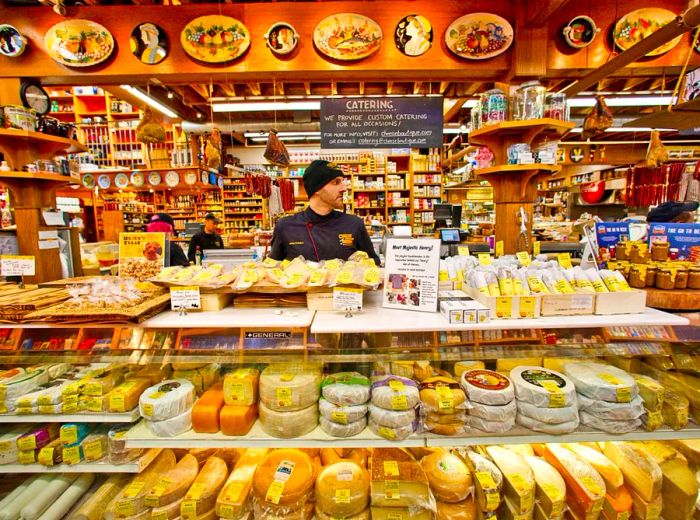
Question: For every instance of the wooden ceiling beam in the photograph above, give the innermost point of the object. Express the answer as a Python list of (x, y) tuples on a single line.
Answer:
[(229, 89), (444, 85), (417, 85), (307, 88), (452, 108), (542, 10), (202, 90), (254, 87)]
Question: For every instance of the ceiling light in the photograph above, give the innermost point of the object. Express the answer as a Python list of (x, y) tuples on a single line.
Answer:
[(266, 106), (199, 115), (170, 94), (149, 101), (623, 101), (282, 134)]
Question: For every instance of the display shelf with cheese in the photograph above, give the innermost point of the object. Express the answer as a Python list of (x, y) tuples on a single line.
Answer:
[(84, 417), (136, 466)]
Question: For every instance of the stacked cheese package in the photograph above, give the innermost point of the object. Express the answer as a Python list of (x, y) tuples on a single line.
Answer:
[(488, 484), (343, 405), (35, 438), (393, 412), (608, 397), (289, 399), (71, 438), (342, 491), (399, 487), (546, 400), (47, 398), (519, 483), (116, 443), (491, 405), (241, 401), (17, 382), (94, 390), (443, 405), (451, 484), (167, 407)]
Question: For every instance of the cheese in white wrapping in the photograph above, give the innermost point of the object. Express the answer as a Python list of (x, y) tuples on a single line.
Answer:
[(172, 427), (543, 427), (8, 442), (487, 387), (548, 415), (395, 393), (343, 430), (288, 424), (392, 433), (290, 387), (46, 394), (609, 425), (341, 414), (501, 413), (166, 400), (346, 389), (615, 411), (602, 382), (19, 385), (391, 418), (542, 387), (489, 426)]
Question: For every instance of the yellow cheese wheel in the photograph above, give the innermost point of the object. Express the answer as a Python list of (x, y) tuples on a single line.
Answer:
[(449, 477), (363, 515), (283, 477), (465, 510), (442, 395), (342, 489)]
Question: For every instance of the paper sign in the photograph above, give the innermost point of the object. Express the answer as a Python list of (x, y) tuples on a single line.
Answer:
[(523, 258), (13, 265), (48, 244), (463, 250), (146, 247), (347, 299), (564, 260), (185, 298), (411, 274), (535, 248), (499, 248), (484, 258)]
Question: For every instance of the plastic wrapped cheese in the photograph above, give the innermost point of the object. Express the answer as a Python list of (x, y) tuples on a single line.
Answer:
[(237, 420), (602, 382), (241, 387), (346, 389), (448, 475), (284, 477), (362, 515), (202, 494), (19, 384), (610, 473), (550, 494), (542, 387), (391, 418), (342, 489), (615, 411), (465, 510), (497, 413), (442, 395), (400, 513), (487, 387), (609, 425), (518, 477), (396, 433), (172, 427), (489, 426), (46, 394), (95, 446), (118, 452), (650, 391), (675, 410), (290, 424), (101, 384), (456, 427), (397, 480), (125, 397), (202, 378), (584, 485), (488, 481), (95, 505), (341, 414), (548, 415), (234, 498), (343, 430), (395, 393), (460, 367), (174, 483), (38, 437), (642, 473), (166, 400), (290, 387), (543, 427), (8, 442), (205, 412)]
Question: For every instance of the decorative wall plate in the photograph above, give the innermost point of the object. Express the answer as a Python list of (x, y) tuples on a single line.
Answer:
[(79, 43), (281, 38), (104, 182), (215, 38), (121, 180), (580, 32), (413, 35), (348, 36), (88, 181), (172, 179), (204, 177), (190, 178), (220, 182), (137, 179), (149, 43), (479, 36), (640, 23), (213, 178), (154, 178), (12, 43)]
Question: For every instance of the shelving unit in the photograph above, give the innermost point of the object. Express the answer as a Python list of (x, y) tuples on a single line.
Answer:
[(136, 466), (128, 417), (241, 211)]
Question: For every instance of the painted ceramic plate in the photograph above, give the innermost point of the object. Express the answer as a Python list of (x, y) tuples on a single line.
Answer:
[(190, 178), (213, 178), (89, 181), (104, 182), (121, 180), (204, 176), (479, 36), (137, 179), (348, 36), (149, 43), (172, 179), (154, 178), (215, 38), (640, 23), (281, 38), (79, 43), (12, 43), (580, 32), (220, 182), (413, 35)]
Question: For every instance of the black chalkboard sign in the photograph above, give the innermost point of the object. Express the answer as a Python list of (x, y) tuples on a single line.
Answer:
[(387, 122)]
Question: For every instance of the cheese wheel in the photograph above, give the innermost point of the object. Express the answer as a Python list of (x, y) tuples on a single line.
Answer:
[(602, 382), (487, 387), (362, 515), (332, 455), (548, 415), (284, 477), (205, 412), (346, 389), (488, 481), (520, 485), (391, 418), (392, 433), (542, 387), (445, 428), (125, 397), (241, 387), (448, 476), (343, 430), (615, 411), (499, 413), (539, 426), (446, 419), (442, 395), (465, 510), (174, 483), (288, 425), (170, 511), (342, 489), (288, 388), (395, 393), (237, 420), (233, 500), (400, 513), (166, 400), (202, 494), (489, 426), (609, 425), (341, 414), (172, 427)]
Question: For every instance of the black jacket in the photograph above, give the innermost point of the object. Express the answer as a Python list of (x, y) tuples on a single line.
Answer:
[(204, 241), (177, 255), (316, 237)]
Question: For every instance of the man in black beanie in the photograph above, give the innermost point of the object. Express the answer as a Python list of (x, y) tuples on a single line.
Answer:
[(320, 232)]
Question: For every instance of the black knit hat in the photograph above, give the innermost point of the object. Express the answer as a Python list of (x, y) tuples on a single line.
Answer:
[(163, 217), (318, 174), (667, 211)]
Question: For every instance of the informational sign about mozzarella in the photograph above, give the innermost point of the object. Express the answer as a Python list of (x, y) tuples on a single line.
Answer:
[(13, 265), (381, 122), (411, 274), (185, 298), (347, 299)]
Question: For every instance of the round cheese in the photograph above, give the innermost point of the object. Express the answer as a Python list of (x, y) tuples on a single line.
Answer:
[(460, 367), (444, 428), (289, 388), (288, 425), (489, 426), (499, 413), (362, 515), (615, 411), (342, 489), (487, 387), (442, 395), (548, 415), (283, 477), (602, 382), (446, 419), (395, 393), (343, 430), (346, 389), (341, 414), (448, 476), (390, 418), (542, 387), (392, 434), (166, 400), (609, 425), (543, 427), (169, 511), (304, 510), (173, 426), (460, 511)]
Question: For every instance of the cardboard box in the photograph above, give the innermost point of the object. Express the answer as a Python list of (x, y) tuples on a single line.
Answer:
[(464, 311), (506, 307), (215, 301), (625, 302), (452, 311), (321, 300), (567, 304), (454, 295)]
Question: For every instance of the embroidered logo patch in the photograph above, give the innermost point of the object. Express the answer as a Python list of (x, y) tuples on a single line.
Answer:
[(346, 239)]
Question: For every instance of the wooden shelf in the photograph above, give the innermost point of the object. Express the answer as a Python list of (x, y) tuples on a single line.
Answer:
[(510, 168), (360, 190), (126, 115), (39, 176), (60, 143), (531, 128)]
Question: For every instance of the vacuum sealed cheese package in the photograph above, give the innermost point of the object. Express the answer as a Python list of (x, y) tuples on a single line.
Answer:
[(548, 415), (542, 387), (286, 387), (543, 427), (346, 389), (395, 393), (602, 382), (614, 411), (442, 395), (166, 400), (487, 387), (341, 414)]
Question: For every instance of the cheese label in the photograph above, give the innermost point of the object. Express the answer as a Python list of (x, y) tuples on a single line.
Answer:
[(344, 277), (484, 258), (134, 488), (116, 402), (499, 249), (564, 260), (147, 409), (284, 396), (25, 402), (535, 284), (446, 402), (237, 391), (339, 417), (486, 379), (493, 499), (69, 407), (25, 411), (93, 388), (47, 409), (623, 516), (125, 508), (196, 491), (269, 262), (557, 399), (46, 456), (394, 516), (69, 434), (536, 247), (233, 493), (93, 450), (392, 490), (485, 480), (342, 496), (527, 306), (523, 257), (396, 385), (71, 455), (163, 515), (653, 512), (519, 482), (332, 265), (504, 306), (26, 457), (391, 468), (399, 402), (555, 497), (26, 443), (274, 492), (188, 509), (387, 433), (5, 446), (94, 404), (443, 276), (317, 277), (591, 485)]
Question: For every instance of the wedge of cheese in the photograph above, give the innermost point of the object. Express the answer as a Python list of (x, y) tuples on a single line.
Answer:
[(651, 392), (509, 511), (173, 484), (488, 481), (675, 410), (169, 511), (397, 480), (551, 488), (584, 486), (611, 474), (646, 510), (234, 497), (201, 496), (518, 476), (679, 487), (618, 507), (690, 449), (642, 473)]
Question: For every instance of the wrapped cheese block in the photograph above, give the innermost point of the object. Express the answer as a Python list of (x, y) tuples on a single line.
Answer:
[(38, 437), (288, 424), (391, 418), (118, 452), (398, 481), (499, 413), (442, 395), (205, 412), (455, 427), (618, 507), (202, 494), (8, 442), (448, 475), (234, 499), (488, 481), (363, 515), (101, 384), (550, 493), (614, 411), (343, 430), (392, 433), (346, 389), (71, 433), (542, 387), (610, 473), (19, 384), (284, 477), (602, 382), (241, 387), (646, 509), (342, 489), (675, 410), (650, 391), (125, 397), (400, 513), (487, 387), (341, 414), (609, 425), (172, 427), (642, 473), (47, 394), (489, 426), (460, 367), (679, 486), (518, 477), (173, 483), (289, 388), (166, 400), (585, 487), (47, 495), (95, 445), (237, 420), (95, 505), (547, 427), (548, 415), (395, 393), (465, 510), (202, 378)]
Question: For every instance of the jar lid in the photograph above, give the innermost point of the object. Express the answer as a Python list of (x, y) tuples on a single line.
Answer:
[(528, 84), (494, 91)]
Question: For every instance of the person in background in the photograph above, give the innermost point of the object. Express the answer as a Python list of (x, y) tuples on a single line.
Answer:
[(163, 223), (683, 212), (207, 238)]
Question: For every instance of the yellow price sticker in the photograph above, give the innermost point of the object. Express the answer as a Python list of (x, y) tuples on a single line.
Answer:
[(233, 492), (340, 417), (26, 443), (188, 509), (44, 400), (284, 397), (134, 488), (524, 258), (392, 490), (387, 433), (125, 508), (557, 399), (446, 402), (71, 455), (564, 260), (147, 409), (69, 407), (274, 492), (463, 251), (342, 496), (196, 491), (93, 388), (391, 468), (399, 402), (163, 515), (484, 258), (536, 248), (26, 457), (46, 456), (396, 385), (485, 479), (504, 306), (93, 450), (69, 434), (527, 306), (592, 486), (500, 248)]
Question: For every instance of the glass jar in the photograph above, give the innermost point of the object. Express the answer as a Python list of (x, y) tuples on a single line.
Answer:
[(637, 277), (494, 107), (659, 251), (682, 276), (640, 254), (555, 106), (475, 115), (694, 278), (665, 279), (622, 251), (529, 101), (651, 276)]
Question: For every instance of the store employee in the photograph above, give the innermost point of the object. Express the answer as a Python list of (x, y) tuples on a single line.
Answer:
[(207, 238), (320, 232)]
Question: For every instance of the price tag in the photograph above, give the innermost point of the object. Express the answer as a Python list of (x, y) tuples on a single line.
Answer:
[(342, 496), (27, 443), (504, 306), (391, 468), (446, 400), (392, 490), (196, 491), (185, 298), (116, 403), (399, 402), (396, 385), (387, 433), (147, 409), (484, 258), (463, 250), (69, 407), (233, 494), (524, 258), (564, 260), (26, 457), (527, 306), (46, 457), (71, 455), (536, 248), (163, 515), (284, 397), (93, 450), (500, 247), (134, 488), (274, 492), (237, 391), (394, 516), (188, 509), (344, 277), (125, 508), (339, 417), (347, 298), (557, 399), (14, 265), (69, 434), (592, 486)]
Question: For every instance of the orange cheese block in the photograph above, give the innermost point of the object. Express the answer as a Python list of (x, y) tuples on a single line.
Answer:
[(618, 507), (234, 496), (201, 496), (585, 487), (237, 420), (174, 483), (205, 413)]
